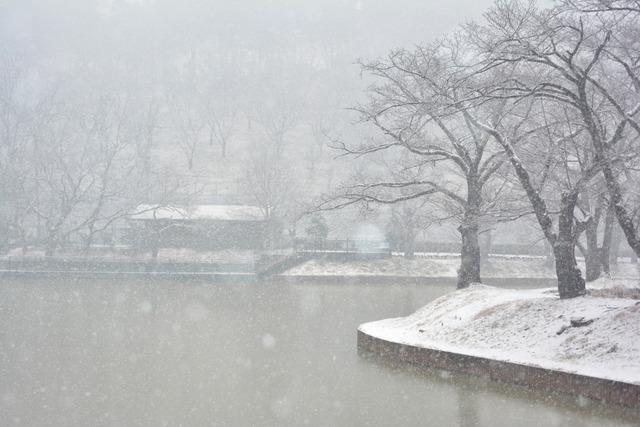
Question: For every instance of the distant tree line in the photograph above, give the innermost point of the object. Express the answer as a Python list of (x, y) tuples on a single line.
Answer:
[(116, 109)]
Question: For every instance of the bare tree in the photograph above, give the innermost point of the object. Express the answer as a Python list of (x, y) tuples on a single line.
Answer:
[(457, 162), (18, 115), (584, 61), (268, 182), (191, 128), (280, 110), (220, 111), (595, 6), (87, 171), (408, 220), (544, 57)]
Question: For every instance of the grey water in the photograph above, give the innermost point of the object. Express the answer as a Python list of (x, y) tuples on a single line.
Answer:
[(89, 352)]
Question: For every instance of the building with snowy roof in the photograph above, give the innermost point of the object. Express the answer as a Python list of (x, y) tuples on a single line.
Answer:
[(206, 227)]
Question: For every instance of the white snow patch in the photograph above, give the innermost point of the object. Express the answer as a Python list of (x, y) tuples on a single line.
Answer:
[(145, 307), (282, 407), (208, 212), (195, 312), (268, 341), (531, 327)]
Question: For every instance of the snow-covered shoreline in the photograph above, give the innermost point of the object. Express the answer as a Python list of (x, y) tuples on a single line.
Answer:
[(441, 267), (594, 336)]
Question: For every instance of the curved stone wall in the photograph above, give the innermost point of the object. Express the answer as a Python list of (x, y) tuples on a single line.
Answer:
[(543, 379)]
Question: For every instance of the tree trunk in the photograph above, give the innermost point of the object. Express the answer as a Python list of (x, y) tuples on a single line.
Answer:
[(24, 244), (607, 239), (88, 240), (51, 242), (570, 281), (487, 242), (50, 247), (592, 257), (549, 259), (614, 250), (615, 192), (469, 256), (409, 245), (469, 271), (408, 234)]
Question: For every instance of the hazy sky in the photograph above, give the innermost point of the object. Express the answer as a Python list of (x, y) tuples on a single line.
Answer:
[(379, 24)]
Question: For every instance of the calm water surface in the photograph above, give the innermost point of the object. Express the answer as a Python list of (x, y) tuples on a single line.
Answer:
[(155, 353)]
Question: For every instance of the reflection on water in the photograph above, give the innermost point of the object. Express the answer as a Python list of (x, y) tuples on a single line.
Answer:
[(165, 353)]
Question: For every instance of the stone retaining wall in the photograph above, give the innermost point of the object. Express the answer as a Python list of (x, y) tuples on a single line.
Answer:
[(118, 265), (124, 275), (538, 378)]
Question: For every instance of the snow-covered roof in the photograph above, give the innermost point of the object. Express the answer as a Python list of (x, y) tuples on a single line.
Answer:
[(208, 212)]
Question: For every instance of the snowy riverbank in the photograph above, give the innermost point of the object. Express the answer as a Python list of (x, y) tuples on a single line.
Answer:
[(441, 266), (597, 335)]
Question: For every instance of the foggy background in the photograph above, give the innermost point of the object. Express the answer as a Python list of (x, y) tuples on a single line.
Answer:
[(111, 104)]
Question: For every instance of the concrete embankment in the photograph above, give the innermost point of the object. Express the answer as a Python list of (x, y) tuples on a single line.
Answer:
[(609, 391), (99, 267)]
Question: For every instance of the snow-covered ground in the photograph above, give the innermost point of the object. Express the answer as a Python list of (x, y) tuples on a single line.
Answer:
[(596, 335), (441, 266)]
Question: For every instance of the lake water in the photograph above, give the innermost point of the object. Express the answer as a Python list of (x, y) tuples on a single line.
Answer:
[(155, 353)]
